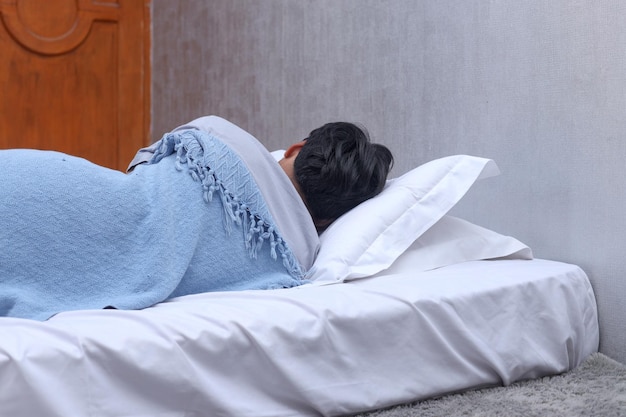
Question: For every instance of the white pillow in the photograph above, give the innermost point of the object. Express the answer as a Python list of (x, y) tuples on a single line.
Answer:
[(370, 237), (452, 240)]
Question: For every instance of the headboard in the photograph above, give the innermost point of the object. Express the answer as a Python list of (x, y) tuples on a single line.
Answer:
[(540, 87)]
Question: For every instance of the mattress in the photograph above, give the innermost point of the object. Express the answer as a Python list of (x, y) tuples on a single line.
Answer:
[(312, 350)]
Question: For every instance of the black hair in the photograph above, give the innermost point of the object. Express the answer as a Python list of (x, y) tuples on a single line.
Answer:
[(338, 168)]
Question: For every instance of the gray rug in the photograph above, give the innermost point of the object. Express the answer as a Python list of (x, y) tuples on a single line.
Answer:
[(596, 388)]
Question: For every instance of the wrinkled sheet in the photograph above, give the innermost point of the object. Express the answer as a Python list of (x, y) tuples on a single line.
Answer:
[(308, 350)]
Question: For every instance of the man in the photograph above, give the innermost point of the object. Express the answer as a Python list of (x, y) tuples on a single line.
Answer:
[(206, 208)]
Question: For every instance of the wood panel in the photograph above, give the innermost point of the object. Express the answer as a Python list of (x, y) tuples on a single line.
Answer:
[(75, 77)]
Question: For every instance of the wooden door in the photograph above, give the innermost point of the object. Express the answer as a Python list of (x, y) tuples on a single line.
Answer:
[(74, 77)]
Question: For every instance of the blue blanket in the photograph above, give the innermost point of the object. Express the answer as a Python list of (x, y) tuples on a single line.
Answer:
[(74, 235)]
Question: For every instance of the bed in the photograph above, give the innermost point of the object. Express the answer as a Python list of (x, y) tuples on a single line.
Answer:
[(406, 302)]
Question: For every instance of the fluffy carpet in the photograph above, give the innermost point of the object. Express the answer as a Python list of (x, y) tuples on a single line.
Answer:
[(596, 388)]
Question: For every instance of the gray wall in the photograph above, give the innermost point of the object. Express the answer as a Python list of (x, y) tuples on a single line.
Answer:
[(539, 86)]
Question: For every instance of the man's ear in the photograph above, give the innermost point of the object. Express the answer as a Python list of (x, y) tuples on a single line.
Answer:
[(294, 149)]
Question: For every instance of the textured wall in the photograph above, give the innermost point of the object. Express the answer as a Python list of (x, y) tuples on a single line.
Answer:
[(538, 86)]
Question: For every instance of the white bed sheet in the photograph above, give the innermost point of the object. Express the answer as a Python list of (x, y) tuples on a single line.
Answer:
[(313, 350)]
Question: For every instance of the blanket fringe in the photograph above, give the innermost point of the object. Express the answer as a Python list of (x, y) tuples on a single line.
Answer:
[(193, 150)]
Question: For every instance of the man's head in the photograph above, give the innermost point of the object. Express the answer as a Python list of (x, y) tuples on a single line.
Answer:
[(336, 168)]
